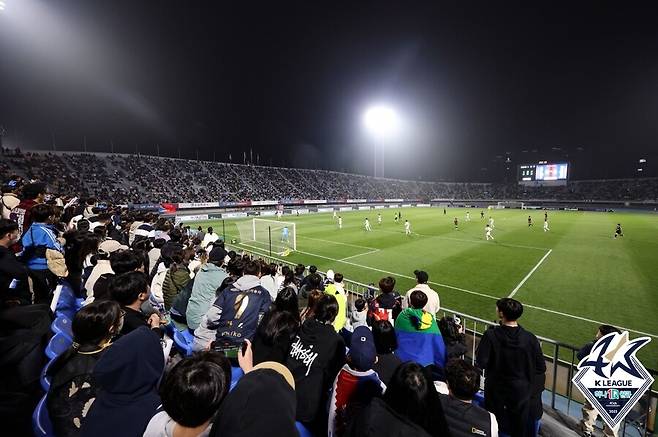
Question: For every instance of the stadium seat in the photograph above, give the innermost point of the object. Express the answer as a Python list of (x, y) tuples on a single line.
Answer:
[(58, 344), (78, 303), (236, 374), (303, 430), (66, 304), (479, 399), (62, 324), (45, 380), (183, 341), (41, 424)]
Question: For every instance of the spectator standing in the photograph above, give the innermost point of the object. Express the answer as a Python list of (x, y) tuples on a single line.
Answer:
[(121, 261), (387, 305), (14, 286), (316, 356), (235, 314), (9, 198), (419, 338), (72, 387), (191, 394), (127, 377), (453, 337), (102, 267), (32, 194), (268, 279), (356, 383), (512, 360), (359, 313), (386, 343), (37, 240), (209, 238), (335, 288), (277, 329), (465, 418), (433, 303), (204, 291)]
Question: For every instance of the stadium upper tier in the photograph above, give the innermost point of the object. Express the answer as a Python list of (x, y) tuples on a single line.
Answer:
[(148, 179)]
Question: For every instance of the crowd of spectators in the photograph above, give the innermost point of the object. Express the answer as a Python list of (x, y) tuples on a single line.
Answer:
[(312, 358), (147, 179)]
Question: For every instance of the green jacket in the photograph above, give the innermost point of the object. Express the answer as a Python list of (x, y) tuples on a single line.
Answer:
[(173, 283)]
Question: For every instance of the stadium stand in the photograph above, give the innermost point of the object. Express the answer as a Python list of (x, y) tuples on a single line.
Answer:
[(292, 361), (147, 179)]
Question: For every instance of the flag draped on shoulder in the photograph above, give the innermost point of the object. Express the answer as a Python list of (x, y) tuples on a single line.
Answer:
[(419, 338)]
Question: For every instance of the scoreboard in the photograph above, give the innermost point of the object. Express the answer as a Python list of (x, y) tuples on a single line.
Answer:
[(543, 171)]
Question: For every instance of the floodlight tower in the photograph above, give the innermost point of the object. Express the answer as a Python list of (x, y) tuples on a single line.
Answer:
[(381, 122)]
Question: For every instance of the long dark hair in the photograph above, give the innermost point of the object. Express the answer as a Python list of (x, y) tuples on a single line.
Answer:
[(282, 320), (93, 324), (78, 245), (411, 393)]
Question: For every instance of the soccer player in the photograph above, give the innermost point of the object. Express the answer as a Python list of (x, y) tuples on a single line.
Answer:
[(545, 215), (407, 227), (367, 224), (334, 213), (618, 231), (487, 230), (529, 221), (379, 218), (400, 215), (279, 213), (340, 222), (396, 217), (444, 211), (491, 222), (468, 216), (284, 234), (481, 215), (546, 228), (456, 222)]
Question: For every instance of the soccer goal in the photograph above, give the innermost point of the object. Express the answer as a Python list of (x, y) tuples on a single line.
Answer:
[(269, 235), (510, 204)]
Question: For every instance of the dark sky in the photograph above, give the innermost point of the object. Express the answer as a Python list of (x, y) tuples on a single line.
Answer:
[(475, 82)]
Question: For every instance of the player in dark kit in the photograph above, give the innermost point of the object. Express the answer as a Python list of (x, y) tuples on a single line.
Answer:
[(481, 215), (545, 216), (456, 223), (529, 221), (618, 231), (444, 211)]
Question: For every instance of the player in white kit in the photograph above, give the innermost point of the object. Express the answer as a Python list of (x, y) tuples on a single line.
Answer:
[(546, 228), (367, 225), (487, 230), (279, 213), (407, 227), (334, 213), (468, 216), (491, 222)]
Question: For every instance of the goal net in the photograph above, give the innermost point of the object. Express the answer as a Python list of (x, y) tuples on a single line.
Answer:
[(510, 204), (265, 234)]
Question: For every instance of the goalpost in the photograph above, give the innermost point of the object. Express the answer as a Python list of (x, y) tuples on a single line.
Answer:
[(510, 204), (269, 235)]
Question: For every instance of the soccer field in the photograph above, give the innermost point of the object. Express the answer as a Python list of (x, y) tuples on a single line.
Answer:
[(570, 279)]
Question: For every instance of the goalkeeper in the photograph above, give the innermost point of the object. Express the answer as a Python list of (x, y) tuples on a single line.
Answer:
[(285, 233)]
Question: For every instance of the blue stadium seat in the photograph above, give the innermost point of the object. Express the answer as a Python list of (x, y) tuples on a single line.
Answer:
[(41, 424), (62, 324), (66, 305), (303, 430), (183, 341), (236, 374), (58, 344), (79, 302), (45, 380), (478, 399)]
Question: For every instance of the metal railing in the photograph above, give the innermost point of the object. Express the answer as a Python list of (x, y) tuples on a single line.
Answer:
[(561, 362)]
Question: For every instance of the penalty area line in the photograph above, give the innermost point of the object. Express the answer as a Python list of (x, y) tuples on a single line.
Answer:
[(523, 281)]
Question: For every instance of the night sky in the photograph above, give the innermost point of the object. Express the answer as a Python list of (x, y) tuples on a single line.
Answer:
[(474, 82)]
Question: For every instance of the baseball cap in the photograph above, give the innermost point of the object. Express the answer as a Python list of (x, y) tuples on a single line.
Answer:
[(109, 246), (362, 349), (217, 254), (421, 276)]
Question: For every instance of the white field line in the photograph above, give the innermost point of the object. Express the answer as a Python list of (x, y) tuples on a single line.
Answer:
[(584, 319), (520, 284), (359, 254), (464, 240), (337, 242)]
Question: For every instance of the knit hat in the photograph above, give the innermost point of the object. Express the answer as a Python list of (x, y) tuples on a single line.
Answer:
[(217, 254), (363, 353)]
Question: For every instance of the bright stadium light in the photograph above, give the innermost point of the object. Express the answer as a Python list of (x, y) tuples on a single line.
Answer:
[(2, 5), (382, 123)]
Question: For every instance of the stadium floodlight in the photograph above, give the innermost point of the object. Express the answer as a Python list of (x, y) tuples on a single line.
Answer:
[(2, 5), (642, 160), (382, 123)]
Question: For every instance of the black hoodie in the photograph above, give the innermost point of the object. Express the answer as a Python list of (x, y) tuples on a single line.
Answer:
[(316, 355), (127, 377)]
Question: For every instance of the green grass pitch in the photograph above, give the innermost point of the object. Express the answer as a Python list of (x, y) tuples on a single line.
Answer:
[(586, 275)]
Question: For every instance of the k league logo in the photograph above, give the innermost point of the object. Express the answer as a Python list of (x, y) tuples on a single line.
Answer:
[(612, 378)]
